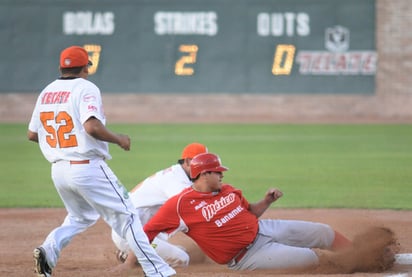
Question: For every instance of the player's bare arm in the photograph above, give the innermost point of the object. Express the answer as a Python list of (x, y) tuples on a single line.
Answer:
[(96, 129), (260, 207), (32, 136)]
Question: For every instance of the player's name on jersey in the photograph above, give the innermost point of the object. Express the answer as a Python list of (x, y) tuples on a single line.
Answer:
[(55, 97)]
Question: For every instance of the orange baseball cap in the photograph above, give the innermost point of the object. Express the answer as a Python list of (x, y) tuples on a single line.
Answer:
[(74, 56), (193, 149)]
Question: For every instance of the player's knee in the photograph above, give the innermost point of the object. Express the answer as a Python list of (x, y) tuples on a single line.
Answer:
[(174, 255), (181, 259), (323, 236), (80, 223), (184, 259)]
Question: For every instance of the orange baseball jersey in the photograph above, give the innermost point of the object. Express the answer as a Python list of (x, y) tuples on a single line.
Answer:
[(219, 222)]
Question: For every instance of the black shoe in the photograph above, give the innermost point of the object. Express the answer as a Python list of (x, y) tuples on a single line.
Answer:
[(41, 268)]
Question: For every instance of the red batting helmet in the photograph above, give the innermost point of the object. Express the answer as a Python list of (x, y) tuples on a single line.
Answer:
[(205, 162)]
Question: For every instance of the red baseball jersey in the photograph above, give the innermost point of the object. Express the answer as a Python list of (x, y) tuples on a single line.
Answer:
[(220, 222)]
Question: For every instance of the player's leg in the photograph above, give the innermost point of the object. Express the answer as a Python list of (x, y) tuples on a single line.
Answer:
[(122, 247), (288, 244), (267, 254), (174, 255), (152, 264), (80, 215), (62, 235), (117, 210), (302, 233)]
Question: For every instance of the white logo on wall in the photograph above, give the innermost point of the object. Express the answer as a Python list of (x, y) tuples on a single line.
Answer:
[(337, 39), (88, 23), (338, 60)]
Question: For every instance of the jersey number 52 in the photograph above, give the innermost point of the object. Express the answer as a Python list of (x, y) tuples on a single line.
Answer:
[(60, 137)]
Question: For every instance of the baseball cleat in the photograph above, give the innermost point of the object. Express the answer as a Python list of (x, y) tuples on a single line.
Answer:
[(41, 268), (121, 256)]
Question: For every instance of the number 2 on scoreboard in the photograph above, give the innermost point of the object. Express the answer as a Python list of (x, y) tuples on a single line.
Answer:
[(190, 51)]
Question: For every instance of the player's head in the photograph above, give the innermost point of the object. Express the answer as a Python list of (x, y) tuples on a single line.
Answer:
[(205, 162), (191, 150), (74, 57)]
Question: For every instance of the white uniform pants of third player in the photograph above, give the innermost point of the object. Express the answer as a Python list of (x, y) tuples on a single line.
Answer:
[(282, 244), (174, 255), (92, 190)]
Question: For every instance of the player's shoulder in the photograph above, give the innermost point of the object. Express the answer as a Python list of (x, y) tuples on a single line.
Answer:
[(186, 193), (227, 187), (76, 84), (172, 174), (177, 198), (88, 84), (161, 176), (169, 170)]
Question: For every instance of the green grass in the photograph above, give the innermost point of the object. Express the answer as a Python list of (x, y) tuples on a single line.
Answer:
[(324, 166)]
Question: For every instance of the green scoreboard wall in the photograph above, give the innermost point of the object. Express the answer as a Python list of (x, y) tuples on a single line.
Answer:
[(194, 46)]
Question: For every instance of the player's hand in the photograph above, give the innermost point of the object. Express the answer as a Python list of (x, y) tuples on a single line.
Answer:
[(124, 142), (273, 194)]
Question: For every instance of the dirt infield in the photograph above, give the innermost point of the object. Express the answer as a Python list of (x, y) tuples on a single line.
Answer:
[(91, 253)]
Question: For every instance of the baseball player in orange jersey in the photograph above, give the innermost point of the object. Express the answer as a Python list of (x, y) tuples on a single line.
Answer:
[(69, 124), (149, 195), (226, 226)]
